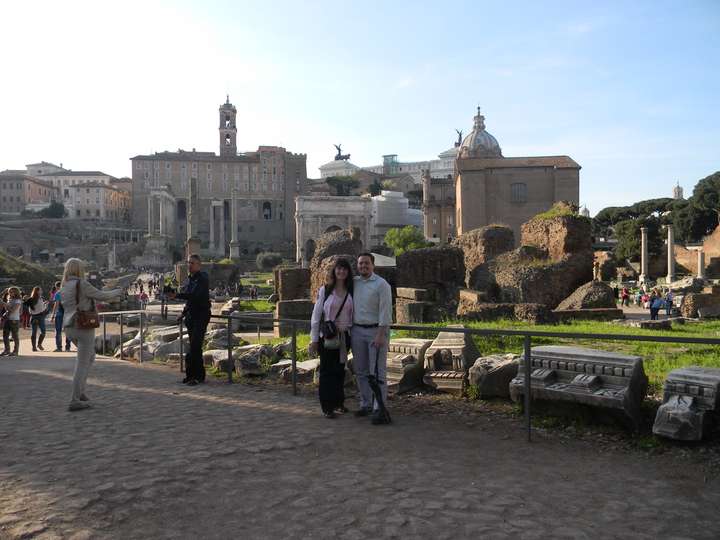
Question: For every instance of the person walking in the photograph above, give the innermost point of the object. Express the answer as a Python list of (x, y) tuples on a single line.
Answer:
[(372, 315), (78, 297), (656, 304), (625, 297), (57, 319), (196, 314), (12, 303), (38, 310), (334, 305)]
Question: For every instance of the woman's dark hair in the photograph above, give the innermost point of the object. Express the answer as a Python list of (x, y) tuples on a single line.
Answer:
[(330, 285)]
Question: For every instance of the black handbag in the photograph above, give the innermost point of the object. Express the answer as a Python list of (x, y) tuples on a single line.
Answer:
[(329, 328)]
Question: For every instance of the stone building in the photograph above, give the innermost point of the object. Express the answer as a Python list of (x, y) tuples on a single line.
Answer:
[(98, 201), (491, 188), (244, 197), (438, 208), (19, 192)]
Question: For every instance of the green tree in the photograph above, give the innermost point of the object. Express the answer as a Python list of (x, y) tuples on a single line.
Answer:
[(56, 210), (342, 185), (268, 260), (405, 239), (375, 188), (628, 236)]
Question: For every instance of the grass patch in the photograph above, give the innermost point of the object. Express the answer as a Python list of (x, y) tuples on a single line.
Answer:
[(303, 342), (659, 358), (257, 305)]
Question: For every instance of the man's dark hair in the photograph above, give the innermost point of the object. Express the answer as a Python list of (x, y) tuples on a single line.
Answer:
[(195, 257), (367, 254)]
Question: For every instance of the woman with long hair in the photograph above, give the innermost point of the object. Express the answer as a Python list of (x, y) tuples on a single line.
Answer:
[(12, 303), (38, 309), (79, 295), (334, 305)]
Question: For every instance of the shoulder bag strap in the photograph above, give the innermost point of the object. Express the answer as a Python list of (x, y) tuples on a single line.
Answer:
[(341, 305)]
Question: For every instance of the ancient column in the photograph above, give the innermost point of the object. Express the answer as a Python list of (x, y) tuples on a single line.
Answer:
[(643, 255), (222, 227), (234, 244), (701, 264), (192, 242), (212, 225), (163, 225), (670, 255), (151, 215)]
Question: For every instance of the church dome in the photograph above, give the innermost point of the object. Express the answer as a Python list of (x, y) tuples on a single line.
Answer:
[(479, 143)]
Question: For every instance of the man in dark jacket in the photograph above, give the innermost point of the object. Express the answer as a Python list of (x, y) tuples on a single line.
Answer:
[(196, 314)]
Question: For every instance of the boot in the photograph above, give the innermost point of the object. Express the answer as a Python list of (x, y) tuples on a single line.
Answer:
[(40, 340), (32, 340)]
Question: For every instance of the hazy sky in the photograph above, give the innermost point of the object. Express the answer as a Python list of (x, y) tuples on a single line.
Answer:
[(630, 90)]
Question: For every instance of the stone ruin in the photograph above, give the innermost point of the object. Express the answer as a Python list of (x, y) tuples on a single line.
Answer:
[(479, 247), (691, 398), (573, 380), (491, 375), (406, 364), (594, 300), (448, 360), (345, 243)]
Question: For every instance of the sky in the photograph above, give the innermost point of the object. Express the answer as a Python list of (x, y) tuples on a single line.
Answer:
[(629, 90)]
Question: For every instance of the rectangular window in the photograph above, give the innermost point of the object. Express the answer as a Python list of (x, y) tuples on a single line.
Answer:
[(518, 193)]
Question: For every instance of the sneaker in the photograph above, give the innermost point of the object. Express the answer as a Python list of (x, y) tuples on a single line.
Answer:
[(83, 397), (363, 411), (40, 347), (78, 406), (192, 382), (342, 409), (5, 353)]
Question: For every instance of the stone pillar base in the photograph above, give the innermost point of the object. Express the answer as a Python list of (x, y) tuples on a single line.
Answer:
[(234, 250), (192, 246)]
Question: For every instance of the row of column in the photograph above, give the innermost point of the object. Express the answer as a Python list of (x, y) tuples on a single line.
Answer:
[(670, 277), (164, 222)]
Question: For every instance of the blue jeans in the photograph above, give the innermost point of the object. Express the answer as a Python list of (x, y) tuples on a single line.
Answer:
[(37, 321), (59, 330)]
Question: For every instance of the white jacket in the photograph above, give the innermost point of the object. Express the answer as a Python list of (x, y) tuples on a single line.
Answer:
[(87, 293)]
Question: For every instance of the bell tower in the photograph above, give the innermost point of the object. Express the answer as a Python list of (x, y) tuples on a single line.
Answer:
[(228, 129)]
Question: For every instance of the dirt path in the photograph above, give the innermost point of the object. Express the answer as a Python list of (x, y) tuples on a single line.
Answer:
[(155, 459)]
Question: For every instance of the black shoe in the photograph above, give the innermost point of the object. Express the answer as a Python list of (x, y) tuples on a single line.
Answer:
[(363, 411), (192, 382), (379, 419), (330, 414)]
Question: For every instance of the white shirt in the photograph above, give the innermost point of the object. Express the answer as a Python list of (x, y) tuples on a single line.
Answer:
[(40, 307), (372, 301)]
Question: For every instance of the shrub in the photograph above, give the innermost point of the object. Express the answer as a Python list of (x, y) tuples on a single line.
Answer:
[(268, 260)]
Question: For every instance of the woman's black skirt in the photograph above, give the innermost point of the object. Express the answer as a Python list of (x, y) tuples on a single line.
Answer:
[(332, 378)]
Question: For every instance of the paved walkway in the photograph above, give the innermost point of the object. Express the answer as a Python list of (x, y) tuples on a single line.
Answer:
[(155, 459)]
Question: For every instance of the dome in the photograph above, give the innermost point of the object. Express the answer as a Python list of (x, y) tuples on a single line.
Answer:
[(479, 143)]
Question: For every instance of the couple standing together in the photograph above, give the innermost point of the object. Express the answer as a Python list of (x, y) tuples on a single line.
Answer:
[(360, 308)]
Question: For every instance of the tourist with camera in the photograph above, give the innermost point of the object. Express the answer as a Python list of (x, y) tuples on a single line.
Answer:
[(330, 335)]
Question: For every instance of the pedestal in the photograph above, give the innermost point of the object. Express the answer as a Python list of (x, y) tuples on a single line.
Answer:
[(234, 250), (192, 246)]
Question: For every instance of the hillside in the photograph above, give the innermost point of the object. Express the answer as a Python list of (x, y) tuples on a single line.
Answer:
[(14, 271)]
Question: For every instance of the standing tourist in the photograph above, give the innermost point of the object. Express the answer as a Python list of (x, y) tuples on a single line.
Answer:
[(24, 313), (372, 315), (656, 304), (57, 318), (334, 305), (669, 300), (625, 297), (78, 297), (196, 314), (12, 304), (38, 310)]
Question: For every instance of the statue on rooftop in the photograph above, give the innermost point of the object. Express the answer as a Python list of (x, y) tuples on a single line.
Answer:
[(340, 156)]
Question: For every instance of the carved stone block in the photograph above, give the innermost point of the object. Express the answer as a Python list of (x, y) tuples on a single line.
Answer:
[(597, 379), (406, 363), (448, 360), (492, 374), (691, 398)]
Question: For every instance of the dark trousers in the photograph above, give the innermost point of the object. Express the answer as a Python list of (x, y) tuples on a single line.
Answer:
[(194, 367), (11, 328), (37, 322), (59, 332), (331, 389), (654, 313)]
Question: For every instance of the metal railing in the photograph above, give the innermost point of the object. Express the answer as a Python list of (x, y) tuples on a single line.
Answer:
[(104, 314), (527, 336)]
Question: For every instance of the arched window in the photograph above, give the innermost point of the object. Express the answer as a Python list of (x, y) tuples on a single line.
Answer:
[(267, 211)]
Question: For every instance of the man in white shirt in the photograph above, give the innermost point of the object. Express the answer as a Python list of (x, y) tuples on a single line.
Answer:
[(372, 316)]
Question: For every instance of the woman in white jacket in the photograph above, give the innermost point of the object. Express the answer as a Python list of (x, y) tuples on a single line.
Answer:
[(79, 294)]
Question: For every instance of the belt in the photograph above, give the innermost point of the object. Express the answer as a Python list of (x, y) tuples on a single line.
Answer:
[(367, 325)]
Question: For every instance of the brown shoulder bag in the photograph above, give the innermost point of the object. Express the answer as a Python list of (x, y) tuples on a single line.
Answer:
[(85, 320)]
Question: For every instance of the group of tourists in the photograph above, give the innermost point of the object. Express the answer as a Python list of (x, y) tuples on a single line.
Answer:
[(12, 306), (653, 300), (353, 313)]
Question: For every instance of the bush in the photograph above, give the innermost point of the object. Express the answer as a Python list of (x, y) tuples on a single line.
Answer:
[(268, 260), (405, 239), (226, 261)]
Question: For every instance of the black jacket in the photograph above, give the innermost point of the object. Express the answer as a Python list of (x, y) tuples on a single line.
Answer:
[(196, 293)]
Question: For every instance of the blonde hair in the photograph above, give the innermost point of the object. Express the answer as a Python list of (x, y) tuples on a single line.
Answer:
[(74, 268), (13, 292)]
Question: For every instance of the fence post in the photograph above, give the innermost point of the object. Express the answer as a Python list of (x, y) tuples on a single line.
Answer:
[(229, 358), (104, 334), (141, 337), (293, 342), (528, 372), (182, 348), (121, 337)]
